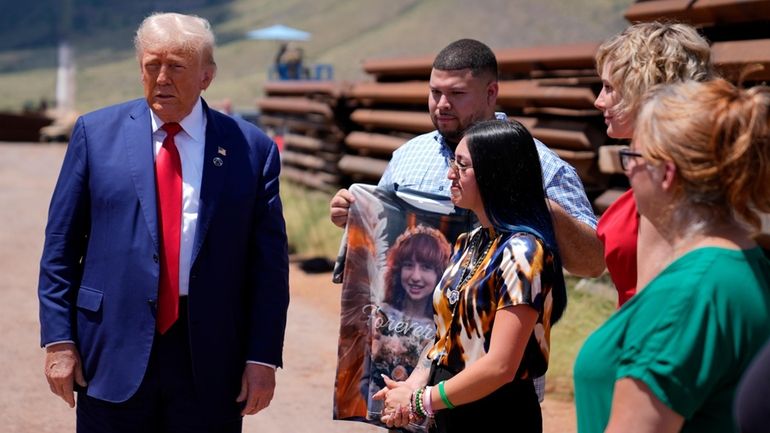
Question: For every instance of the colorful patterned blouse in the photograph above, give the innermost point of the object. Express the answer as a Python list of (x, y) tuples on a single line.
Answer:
[(515, 269)]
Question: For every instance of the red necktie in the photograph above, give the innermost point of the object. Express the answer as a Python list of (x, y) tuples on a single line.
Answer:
[(168, 172)]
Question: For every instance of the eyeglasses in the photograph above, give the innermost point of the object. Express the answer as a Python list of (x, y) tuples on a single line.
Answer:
[(458, 167), (625, 158)]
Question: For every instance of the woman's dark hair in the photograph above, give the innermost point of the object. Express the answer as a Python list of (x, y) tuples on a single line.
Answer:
[(426, 245), (506, 164)]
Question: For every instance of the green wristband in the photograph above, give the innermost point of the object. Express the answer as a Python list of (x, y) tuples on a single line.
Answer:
[(444, 398)]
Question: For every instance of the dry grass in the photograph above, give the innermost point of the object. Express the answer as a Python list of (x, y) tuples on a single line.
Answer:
[(309, 229), (586, 310)]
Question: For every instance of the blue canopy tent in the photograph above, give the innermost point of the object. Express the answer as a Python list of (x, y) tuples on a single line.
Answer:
[(278, 32)]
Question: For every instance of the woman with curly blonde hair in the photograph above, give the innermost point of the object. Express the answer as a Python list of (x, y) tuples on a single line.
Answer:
[(630, 63)]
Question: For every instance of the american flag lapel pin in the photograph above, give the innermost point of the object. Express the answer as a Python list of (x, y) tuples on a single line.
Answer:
[(217, 160)]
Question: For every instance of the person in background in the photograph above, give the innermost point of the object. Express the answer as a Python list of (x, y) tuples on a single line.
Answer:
[(291, 61), (630, 63), (670, 360), (496, 301), (164, 276), (280, 68)]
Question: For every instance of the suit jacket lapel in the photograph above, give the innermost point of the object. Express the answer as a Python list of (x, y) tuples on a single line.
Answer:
[(215, 168), (137, 136)]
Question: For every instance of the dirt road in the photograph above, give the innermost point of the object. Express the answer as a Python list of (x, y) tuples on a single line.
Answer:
[(303, 400)]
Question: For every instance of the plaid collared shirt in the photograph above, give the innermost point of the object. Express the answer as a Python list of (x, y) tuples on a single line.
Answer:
[(421, 164)]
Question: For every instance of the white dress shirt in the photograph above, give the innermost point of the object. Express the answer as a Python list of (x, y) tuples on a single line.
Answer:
[(190, 142)]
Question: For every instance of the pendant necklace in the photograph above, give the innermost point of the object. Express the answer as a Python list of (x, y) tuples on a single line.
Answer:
[(471, 264)]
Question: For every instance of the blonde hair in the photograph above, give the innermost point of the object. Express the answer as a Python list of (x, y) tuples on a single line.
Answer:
[(718, 136), (647, 54), (176, 32)]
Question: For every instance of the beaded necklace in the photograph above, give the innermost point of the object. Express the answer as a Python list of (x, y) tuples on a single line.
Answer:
[(471, 264)]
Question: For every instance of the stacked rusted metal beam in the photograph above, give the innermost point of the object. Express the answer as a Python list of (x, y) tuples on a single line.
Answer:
[(385, 116), (308, 118)]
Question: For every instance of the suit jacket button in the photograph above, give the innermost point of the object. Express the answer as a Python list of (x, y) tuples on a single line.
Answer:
[(155, 258)]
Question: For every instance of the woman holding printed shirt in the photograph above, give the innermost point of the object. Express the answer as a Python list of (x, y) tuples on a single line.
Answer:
[(497, 300)]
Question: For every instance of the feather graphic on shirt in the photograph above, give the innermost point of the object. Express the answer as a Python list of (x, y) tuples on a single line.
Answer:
[(368, 240)]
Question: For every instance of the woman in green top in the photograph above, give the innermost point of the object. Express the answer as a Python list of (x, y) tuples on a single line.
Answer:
[(670, 359)]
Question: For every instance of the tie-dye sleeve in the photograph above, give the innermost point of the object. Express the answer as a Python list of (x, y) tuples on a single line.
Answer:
[(520, 272)]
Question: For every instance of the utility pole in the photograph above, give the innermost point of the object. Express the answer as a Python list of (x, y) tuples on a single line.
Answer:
[(65, 74)]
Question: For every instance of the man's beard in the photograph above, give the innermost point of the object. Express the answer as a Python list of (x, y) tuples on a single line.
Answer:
[(451, 137)]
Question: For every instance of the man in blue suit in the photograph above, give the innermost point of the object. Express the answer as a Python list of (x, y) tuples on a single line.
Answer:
[(164, 276)]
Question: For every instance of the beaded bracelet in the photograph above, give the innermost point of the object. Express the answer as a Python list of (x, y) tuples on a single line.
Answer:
[(444, 398), (418, 403), (426, 404)]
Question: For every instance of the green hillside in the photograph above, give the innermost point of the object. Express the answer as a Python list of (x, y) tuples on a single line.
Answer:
[(345, 32)]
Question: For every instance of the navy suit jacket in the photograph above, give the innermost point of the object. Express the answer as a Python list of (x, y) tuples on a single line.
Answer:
[(99, 271)]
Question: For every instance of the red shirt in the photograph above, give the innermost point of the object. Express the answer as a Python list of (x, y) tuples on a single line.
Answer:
[(618, 229)]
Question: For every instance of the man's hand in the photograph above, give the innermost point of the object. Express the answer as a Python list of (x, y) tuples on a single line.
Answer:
[(63, 369), (257, 387), (338, 207)]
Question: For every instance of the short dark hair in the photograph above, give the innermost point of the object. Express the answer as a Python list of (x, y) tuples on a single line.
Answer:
[(467, 54), (506, 164)]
